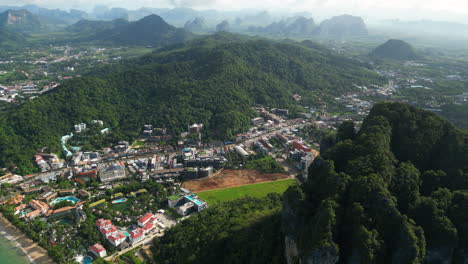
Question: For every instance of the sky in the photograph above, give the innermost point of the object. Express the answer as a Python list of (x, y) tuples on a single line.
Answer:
[(451, 10)]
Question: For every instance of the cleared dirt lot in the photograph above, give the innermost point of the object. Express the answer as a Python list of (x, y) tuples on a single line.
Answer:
[(231, 178)]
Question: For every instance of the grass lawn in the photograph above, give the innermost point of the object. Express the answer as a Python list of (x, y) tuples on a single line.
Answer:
[(138, 144), (253, 190)]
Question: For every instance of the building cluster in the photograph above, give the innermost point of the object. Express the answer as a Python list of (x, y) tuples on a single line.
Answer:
[(269, 119), (155, 134), (43, 201), (112, 172), (85, 158), (121, 239), (114, 236), (48, 162), (11, 179)]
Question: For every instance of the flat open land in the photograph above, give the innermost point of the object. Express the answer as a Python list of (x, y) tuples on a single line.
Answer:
[(232, 178), (253, 190)]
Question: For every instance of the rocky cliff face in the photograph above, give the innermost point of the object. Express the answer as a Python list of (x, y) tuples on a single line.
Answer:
[(305, 242)]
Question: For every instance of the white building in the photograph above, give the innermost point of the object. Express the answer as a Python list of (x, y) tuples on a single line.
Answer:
[(98, 250), (80, 127), (112, 173), (136, 235)]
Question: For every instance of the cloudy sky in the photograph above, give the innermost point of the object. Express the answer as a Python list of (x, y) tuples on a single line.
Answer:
[(455, 10)]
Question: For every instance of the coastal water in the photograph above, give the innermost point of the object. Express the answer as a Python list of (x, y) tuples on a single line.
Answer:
[(10, 252)]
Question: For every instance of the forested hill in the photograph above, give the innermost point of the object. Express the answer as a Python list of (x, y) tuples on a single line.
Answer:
[(397, 50), (397, 192), (215, 81)]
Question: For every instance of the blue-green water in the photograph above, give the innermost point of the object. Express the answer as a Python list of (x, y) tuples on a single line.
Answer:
[(9, 253), (121, 200), (72, 199)]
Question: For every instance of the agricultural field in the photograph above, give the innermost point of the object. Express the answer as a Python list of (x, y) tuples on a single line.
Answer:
[(253, 190), (232, 178)]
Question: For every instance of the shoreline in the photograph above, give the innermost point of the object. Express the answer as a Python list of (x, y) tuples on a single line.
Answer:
[(33, 251)]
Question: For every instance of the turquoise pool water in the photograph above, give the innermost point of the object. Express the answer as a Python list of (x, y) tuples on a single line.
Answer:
[(72, 199), (121, 200), (197, 202), (87, 260)]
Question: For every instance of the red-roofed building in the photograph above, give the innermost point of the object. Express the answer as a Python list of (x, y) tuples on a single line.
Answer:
[(145, 219), (108, 231), (117, 238), (98, 250), (148, 228), (301, 146), (103, 223), (136, 235)]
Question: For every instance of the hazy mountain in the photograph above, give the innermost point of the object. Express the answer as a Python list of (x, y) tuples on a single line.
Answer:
[(95, 26), (259, 19), (295, 26), (151, 30), (114, 13), (20, 20), (395, 49), (196, 25), (178, 16), (344, 25), (223, 26)]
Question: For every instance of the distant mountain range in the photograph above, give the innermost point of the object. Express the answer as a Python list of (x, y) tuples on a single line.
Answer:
[(151, 30), (50, 16), (396, 49), (288, 27), (339, 26)]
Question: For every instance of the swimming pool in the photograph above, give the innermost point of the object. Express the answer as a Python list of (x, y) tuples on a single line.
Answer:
[(72, 199), (121, 200), (192, 199), (87, 260)]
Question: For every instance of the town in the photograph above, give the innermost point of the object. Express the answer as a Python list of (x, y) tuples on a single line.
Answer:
[(26, 74), (117, 199)]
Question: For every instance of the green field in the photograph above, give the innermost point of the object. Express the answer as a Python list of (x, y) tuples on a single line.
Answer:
[(138, 144), (254, 190)]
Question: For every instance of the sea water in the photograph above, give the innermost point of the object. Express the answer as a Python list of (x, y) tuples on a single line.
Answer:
[(10, 252)]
